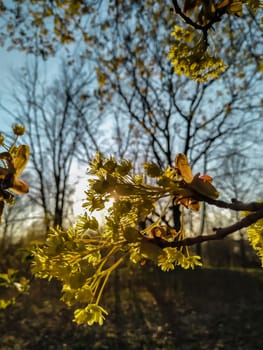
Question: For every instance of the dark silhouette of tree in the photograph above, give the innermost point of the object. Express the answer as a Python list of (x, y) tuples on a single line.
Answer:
[(61, 126)]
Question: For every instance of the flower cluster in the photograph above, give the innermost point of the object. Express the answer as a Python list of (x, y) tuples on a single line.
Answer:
[(84, 256), (13, 162), (189, 57), (91, 314), (255, 236)]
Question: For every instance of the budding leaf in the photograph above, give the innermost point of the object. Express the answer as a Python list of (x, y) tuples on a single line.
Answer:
[(204, 188)]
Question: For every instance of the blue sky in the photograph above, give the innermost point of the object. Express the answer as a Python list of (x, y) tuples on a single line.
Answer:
[(8, 61)]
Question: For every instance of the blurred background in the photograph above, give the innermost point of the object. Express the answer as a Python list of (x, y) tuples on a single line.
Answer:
[(110, 87)]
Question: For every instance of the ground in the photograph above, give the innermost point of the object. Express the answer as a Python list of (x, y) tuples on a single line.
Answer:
[(149, 310)]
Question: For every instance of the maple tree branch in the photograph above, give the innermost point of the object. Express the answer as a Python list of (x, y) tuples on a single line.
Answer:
[(186, 19), (233, 205), (217, 16), (220, 232)]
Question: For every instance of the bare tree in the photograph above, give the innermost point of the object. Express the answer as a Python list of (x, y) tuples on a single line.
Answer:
[(61, 126)]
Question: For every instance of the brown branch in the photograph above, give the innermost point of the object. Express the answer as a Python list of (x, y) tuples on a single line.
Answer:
[(186, 18), (217, 16), (234, 205), (220, 232)]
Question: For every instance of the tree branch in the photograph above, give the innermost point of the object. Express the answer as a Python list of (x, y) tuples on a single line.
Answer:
[(217, 16), (234, 205), (220, 232), (186, 18)]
